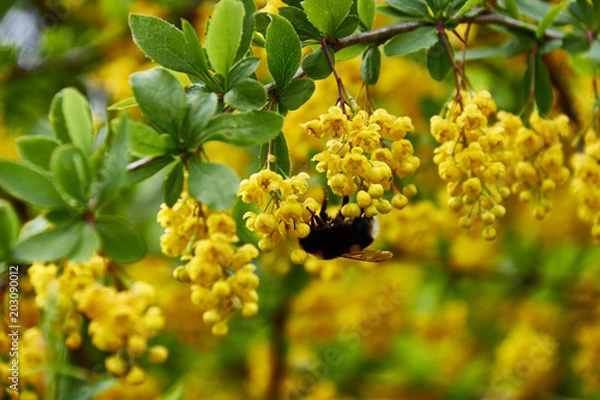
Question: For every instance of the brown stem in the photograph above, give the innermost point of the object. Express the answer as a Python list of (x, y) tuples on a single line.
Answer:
[(456, 69), (341, 100)]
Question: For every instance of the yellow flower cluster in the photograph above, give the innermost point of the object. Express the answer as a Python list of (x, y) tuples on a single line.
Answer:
[(283, 214), (31, 365), (472, 160), (538, 164), (120, 321), (183, 223), (362, 157), (221, 275), (482, 163), (525, 361), (588, 357), (586, 182)]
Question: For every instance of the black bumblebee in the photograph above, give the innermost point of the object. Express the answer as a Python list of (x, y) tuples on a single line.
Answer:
[(339, 237)]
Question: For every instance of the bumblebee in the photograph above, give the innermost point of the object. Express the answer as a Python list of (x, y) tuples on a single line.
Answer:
[(340, 237)]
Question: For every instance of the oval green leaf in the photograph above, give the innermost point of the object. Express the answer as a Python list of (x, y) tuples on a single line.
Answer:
[(284, 51), (71, 173), (87, 245), (327, 15), (9, 228), (316, 65), (246, 95), (421, 38), (371, 66), (243, 129), (78, 119), (29, 185), (173, 184), (438, 62), (161, 98), (164, 43), (51, 244), (119, 239), (296, 93), (37, 150), (224, 35), (144, 141), (215, 185)]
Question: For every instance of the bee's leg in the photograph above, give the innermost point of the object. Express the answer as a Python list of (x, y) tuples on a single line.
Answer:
[(323, 217)]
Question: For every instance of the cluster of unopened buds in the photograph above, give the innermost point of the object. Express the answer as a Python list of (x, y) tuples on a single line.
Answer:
[(362, 158), (283, 214), (484, 163), (221, 274), (120, 321), (586, 182)]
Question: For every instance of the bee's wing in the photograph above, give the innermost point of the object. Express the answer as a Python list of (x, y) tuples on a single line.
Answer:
[(369, 255)]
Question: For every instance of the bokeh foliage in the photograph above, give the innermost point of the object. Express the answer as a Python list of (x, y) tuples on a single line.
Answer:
[(451, 316)]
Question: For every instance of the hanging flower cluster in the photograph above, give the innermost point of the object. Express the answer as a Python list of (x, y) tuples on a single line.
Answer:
[(365, 153), (283, 214), (221, 275), (120, 321), (484, 163), (586, 182)]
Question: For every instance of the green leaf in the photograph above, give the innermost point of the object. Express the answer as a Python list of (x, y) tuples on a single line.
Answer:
[(161, 98), (163, 43), (51, 244), (243, 69), (421, 38), (243, 129), (201, 108), (215, 185), (348, 26), (411, 8), (173, 184), (316, 65), (9, 228), (284, 51), (37, 150), (350, 52), (195, 54), (123, 104), (296, 93), (327, 15), (78, 119), (248, 94), (512, 9), (300, 22), (57, 118), (119, 239), (224, 34), (542, 86), (279, 149), (237, 213), (87, 245), (145, 141), (147, 170), (469, 4), (438, 61), (71, 172), (247, 29), (366, 12), (371, 65), (29, 185), (114, 164), (548, 19)]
